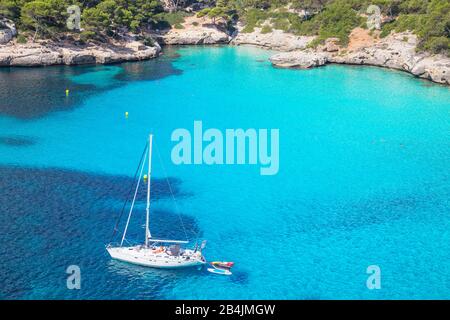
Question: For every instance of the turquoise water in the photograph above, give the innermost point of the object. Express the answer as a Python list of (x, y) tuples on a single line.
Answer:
[(364, 179)]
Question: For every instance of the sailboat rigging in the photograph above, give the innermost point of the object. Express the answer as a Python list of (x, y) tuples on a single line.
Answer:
[(156, 253)]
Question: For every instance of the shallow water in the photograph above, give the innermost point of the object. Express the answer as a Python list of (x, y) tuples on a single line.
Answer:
[(364, 178)]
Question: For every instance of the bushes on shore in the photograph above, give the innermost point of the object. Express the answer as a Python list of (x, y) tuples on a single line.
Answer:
[(429, 19), (99, 19), (336, 19)]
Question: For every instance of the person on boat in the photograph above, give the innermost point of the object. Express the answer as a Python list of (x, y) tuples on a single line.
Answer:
[(156, 250), (174, 250)]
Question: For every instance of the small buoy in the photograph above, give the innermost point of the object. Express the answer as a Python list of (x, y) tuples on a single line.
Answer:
[(145, 177), (67, 92), (126, 115)]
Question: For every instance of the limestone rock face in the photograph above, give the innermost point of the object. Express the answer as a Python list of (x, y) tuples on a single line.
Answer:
[(331, 45), (275, 40), (299, 59), (32, 55), (201, 35), (7, 30), (70, 58), (39, 54), (397, 51), (5, 36), (435, 68)]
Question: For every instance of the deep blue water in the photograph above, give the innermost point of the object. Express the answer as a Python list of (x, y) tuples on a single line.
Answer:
[(364, 179)]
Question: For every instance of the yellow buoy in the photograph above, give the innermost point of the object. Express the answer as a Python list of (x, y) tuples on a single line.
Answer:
[(145, 178), (126, 115), (67, 92)]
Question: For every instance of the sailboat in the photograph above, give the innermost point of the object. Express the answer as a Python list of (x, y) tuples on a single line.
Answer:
[(156, 253)]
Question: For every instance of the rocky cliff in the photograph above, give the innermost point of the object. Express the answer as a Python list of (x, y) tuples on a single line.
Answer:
[(194, 31), (192, 36), (49, 53), (397, 51), (7, 30), (275, 40)]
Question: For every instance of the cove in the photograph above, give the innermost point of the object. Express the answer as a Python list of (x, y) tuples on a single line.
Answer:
[(363, 180)]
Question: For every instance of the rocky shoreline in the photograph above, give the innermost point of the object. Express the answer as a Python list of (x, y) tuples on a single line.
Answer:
[(194, 31), (49, 53), (276, 40), (397, 51)]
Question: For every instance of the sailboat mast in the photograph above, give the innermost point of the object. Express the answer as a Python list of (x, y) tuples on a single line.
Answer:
[(147, 218)]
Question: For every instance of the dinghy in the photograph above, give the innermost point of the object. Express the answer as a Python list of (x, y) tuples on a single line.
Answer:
[(219, 267), (223, 265), (156, 253), (220, 271)]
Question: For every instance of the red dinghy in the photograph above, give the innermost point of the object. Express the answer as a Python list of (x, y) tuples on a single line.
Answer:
[(222, 264), (221, 267)]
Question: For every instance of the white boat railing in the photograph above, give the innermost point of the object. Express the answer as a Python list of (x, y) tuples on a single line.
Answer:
[(167, 241)]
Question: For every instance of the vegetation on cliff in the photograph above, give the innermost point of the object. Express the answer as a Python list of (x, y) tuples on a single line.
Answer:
[(100, 19), (429, 19)]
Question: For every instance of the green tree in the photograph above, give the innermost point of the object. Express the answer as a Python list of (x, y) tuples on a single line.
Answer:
[(44, 17), (218, 12), (434, 29), (11, 9)]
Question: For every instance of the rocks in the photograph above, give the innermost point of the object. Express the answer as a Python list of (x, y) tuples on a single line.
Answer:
[(397, 51), (71, 58), (434, 68), (199, 35), (32, 55), (40, 54), (331, 45), (7, 30), (194, 30), (5, 36), (275, 40), (299, 59)]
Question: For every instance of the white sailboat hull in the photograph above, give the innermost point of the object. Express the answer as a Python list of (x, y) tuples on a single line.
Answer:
[(151, 257)]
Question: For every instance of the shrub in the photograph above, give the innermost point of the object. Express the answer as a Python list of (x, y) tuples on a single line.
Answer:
[(253, 18), (21, 39), (266, 29), (148, 41), (248, 29), (87, 36), (281, 24), (203, 13), (386, 29), (437, 45), (429, 20), (172, 18), (338, 20)]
